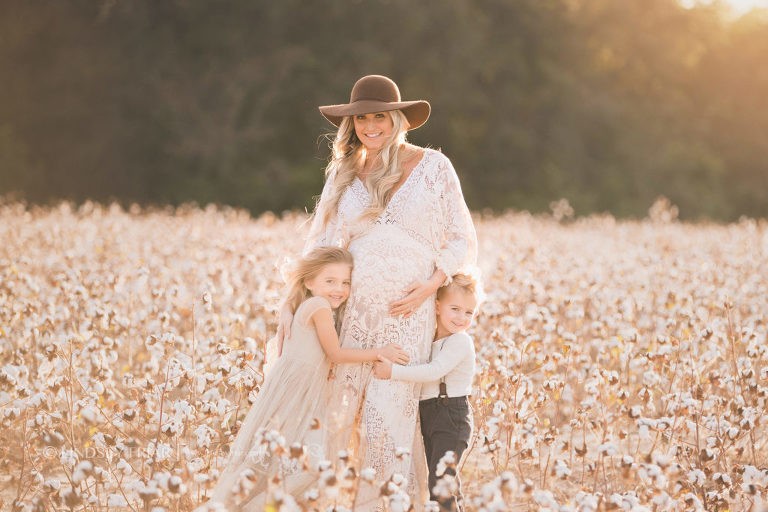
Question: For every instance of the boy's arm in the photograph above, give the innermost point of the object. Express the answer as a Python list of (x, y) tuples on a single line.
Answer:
[(454, 350)]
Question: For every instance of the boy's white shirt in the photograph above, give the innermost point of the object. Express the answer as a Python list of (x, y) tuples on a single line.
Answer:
[(453, 357)]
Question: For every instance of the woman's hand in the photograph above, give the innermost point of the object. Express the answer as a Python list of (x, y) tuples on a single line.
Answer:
[(284, 328), (416, 294), (394, 353), (382, 369)]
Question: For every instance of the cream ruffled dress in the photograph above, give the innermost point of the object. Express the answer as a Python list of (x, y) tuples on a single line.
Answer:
[(293, 397)]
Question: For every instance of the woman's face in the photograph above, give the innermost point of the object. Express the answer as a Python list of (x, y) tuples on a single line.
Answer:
[(373, 129)]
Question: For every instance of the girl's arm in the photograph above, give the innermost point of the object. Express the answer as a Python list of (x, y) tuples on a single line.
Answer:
[(322, 320)]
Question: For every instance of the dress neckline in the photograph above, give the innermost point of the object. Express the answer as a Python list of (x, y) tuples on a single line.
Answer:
[(359, 182)]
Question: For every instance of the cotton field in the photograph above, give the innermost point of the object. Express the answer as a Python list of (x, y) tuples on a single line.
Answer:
[(622, 365)]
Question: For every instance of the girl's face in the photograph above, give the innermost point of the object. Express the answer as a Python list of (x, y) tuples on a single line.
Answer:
[(373, 129), (455, 311), (332, 282)]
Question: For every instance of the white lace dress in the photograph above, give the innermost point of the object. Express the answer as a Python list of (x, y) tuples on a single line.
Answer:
[(425, 226)]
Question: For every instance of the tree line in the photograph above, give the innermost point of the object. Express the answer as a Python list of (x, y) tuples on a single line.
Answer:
[(606, 103)]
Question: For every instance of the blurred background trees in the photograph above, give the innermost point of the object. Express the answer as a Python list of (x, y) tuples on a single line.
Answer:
[(607, 103)]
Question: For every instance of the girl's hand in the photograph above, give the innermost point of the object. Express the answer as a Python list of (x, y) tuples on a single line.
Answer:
[(382, 369), (395, 353), (416, 294), (284, 328)]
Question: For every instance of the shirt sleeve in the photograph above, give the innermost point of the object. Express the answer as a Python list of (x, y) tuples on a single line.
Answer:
[(459, 247), (454, 350), (320, 234)]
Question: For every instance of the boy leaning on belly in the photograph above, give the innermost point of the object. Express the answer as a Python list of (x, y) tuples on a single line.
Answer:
[(444, 411)]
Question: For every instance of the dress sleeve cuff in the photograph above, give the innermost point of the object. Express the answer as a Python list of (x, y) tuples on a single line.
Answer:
[(443, 263)]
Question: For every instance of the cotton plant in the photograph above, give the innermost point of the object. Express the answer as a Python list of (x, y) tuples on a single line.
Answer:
[(620, 364)]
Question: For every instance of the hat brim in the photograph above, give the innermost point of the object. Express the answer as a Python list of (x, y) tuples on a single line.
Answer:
[(417, 112)]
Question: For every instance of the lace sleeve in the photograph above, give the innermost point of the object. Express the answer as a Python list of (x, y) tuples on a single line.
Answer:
[(459, 247), (309, 307), (318, 234)]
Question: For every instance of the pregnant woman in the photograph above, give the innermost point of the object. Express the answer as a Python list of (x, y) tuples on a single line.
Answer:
[(400, 211)]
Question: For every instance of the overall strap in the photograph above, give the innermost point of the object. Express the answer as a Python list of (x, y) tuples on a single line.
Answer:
[(443, 393)]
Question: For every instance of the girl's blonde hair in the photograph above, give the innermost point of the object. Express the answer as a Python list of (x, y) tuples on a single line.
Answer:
[(346, 156), (465, 283), (308, 267)]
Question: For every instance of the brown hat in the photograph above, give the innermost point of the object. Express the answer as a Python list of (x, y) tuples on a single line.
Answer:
[(376, 93)]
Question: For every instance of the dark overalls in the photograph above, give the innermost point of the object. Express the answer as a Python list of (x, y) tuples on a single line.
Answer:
[(446, 425)]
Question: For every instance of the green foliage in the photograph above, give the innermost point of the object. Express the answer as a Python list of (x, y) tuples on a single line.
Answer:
[(607, 103)]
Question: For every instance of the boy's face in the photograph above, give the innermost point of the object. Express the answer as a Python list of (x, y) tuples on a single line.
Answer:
[(455, 310)]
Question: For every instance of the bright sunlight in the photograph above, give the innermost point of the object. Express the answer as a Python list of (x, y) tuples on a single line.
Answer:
[(737, 7)]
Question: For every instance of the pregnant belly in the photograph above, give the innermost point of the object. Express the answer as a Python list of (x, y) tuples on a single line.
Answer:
[(387, 261)]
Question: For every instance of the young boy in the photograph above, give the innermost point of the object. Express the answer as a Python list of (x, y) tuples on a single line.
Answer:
[(446, 418)]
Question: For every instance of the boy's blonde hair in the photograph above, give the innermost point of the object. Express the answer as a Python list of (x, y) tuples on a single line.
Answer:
[(308, 267), (465, 283)]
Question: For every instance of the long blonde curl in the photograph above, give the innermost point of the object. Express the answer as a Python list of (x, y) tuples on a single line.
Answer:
[(348, 154)]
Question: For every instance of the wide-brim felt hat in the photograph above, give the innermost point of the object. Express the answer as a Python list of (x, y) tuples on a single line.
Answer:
[(377, 93)]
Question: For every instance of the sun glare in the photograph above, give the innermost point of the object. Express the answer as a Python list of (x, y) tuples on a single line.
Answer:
[(737, 7)]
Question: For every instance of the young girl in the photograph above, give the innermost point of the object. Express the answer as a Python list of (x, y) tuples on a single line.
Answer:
[(293, 398), (446, 419)]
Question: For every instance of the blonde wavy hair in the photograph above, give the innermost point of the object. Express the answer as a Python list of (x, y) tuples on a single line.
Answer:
[(308, 267), (468, 282), (347, 154)]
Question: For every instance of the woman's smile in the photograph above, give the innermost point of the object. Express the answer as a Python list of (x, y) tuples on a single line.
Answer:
[(373, 129)]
